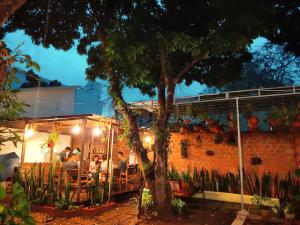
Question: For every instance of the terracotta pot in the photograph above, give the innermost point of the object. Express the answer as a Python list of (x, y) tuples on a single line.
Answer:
[(187, 122), (265, 212), (50, 145), (296, 124), (252, 123), (289, 216), (275, 123), (183, 130), (175, 186), (196, 128), (209, 122), (184, 185), (215, 129)]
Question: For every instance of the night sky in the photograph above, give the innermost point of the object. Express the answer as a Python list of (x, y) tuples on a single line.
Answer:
[(69, 67)]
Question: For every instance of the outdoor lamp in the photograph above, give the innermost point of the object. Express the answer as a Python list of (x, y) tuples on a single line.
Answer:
[(29, 132), (148, 139), (76, 129), (97, 131)]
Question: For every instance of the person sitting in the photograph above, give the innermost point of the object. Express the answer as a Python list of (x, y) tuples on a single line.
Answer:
[(73, 161), (94, 164), (65, 154), (122, 162), (103, 167)]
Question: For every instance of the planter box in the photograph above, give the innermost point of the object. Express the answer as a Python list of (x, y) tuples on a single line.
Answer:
[(229, 197), (85, 211)]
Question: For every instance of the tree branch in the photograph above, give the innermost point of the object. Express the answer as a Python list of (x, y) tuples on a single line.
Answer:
[(7, 8), (188, 66)]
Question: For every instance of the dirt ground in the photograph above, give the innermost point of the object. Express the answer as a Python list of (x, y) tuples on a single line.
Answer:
[(200, 213)]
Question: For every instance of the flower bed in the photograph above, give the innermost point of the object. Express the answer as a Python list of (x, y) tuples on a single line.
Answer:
[(81, 211)]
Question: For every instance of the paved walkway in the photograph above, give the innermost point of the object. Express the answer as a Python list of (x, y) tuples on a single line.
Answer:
[(200, 213)]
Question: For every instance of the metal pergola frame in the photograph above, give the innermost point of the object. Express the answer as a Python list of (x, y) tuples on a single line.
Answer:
[(262, 99)]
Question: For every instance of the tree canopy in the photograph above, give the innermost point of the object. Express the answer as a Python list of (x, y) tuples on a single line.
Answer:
[(152, 45)]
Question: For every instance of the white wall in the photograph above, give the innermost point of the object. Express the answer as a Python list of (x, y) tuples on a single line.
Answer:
[(9, 147), (88, 99), (51, 101), (33, 152)]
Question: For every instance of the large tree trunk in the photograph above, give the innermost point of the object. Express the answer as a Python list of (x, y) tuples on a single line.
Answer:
[(7, 8), (134, 138), (162, 187)]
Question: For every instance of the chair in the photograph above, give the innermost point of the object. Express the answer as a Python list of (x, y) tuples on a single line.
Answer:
[(117, 179), (132, 177), (72, 177)]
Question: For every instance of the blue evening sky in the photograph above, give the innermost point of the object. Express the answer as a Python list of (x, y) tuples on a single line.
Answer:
[(69, 67)]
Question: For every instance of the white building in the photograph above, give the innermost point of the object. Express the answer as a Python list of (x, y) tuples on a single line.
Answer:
[(60, 100)]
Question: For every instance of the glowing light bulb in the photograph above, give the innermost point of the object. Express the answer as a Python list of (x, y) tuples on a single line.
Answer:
[(76, 130), (148, 139), (29, 132), (97, 131)]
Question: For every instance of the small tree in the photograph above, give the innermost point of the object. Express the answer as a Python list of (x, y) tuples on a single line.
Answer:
[(11, 108), (271, 66)]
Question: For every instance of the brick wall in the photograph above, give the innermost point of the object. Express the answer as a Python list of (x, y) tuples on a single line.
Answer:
[(279, 152)]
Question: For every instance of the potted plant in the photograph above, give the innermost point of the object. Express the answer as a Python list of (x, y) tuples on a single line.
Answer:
[(263, 205), (252, 120), (186, 181), (178, 205), (296, 117), (176, 124), (51, 141), (275, 118), (174, 179), (184, 148)]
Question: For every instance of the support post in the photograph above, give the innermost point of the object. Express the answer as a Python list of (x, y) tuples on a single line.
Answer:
[(81, 159), (24, 144), (240, 152), (111, 171)]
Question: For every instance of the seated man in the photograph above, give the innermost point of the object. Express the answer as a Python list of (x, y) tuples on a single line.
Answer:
[(65, 154), (73, 161)]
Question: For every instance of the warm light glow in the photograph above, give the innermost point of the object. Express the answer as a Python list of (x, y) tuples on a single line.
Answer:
[(76, 130), (148, 139), (29, 132), (97, 131)]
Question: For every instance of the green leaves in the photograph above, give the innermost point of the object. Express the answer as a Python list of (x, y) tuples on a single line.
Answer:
[(2, 192), (297, 172), (19, 207)]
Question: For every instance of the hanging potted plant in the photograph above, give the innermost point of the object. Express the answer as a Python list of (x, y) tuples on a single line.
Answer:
[(175, 125), (51, 141), (275, 119), (251, 119), (184, 148)]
